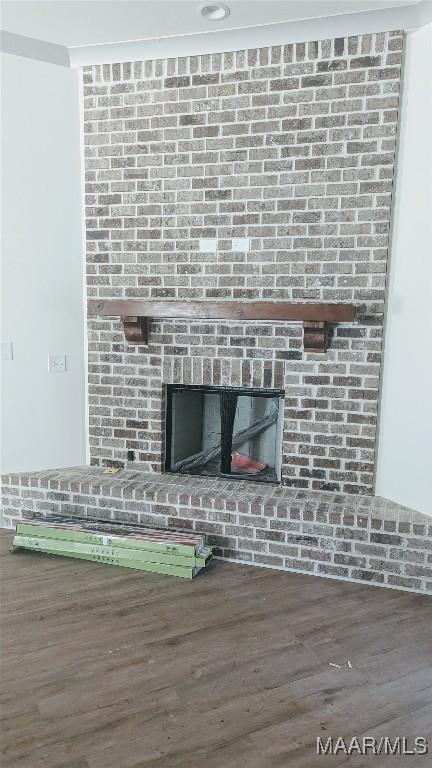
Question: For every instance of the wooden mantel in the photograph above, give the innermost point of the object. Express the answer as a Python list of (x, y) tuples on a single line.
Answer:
[(135, 315)]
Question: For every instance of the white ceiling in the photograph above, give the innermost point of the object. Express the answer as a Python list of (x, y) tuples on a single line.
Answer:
[(74, 23)]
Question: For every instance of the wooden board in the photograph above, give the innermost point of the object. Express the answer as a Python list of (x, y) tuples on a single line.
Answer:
[(150, 539), (75, 550), (222, 310), (136, 314), (112, 552)]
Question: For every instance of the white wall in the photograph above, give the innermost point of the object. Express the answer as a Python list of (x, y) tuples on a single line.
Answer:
[(404, 468), (43, 414)]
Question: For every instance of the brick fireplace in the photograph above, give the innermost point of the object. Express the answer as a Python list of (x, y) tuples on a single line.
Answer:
[(256, 178), (290, 149)]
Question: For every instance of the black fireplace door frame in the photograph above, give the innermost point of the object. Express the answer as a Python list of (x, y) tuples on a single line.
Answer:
[(228, 402)]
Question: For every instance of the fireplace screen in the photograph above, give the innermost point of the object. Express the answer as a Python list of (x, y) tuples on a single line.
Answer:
[(230, 432)]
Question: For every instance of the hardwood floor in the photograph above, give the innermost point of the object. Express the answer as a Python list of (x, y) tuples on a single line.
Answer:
[(104, 667)]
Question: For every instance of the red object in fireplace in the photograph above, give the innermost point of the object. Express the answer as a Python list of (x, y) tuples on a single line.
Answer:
[(245, 464)]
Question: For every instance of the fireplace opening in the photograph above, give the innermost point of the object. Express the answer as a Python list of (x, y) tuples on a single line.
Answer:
[(224, 431)]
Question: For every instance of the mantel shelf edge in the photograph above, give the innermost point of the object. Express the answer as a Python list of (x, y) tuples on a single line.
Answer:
[(137, 313)]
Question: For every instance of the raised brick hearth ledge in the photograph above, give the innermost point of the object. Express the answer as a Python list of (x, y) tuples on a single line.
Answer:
[(360, 538)]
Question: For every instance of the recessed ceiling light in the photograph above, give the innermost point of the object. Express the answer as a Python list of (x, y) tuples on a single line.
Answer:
[(215, 11)]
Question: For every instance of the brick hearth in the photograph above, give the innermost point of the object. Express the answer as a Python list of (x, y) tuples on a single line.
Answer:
[(361, 538)]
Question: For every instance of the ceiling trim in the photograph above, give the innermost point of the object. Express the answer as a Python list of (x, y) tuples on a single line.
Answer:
[(408, 17), (341, 25), (32, 48)]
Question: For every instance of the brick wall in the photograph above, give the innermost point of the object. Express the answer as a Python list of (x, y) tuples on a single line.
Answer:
[(291, 147)]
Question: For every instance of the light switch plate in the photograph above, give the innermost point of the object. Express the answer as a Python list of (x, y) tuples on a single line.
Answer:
[(57, 363), (241, 244), (6, 350), (208, 245)]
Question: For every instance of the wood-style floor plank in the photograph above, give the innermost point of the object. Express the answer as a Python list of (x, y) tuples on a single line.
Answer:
[(104, 667)]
